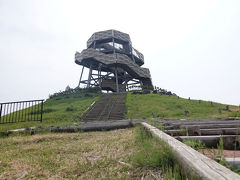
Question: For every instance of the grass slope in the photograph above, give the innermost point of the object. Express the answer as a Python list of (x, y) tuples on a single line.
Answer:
[(92, 155), (64, 110), (129, 153), (143, 106)]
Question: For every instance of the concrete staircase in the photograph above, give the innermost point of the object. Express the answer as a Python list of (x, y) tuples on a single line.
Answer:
[(109, 107)]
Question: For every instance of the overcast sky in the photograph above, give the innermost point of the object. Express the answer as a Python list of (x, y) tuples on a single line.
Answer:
[(191, 47)]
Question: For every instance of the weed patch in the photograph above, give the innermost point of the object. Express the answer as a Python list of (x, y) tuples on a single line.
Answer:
[(70, 108), (155, 154), (195, 144)]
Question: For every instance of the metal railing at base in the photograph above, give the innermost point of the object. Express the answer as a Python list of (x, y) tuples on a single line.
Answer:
[(21, 111)]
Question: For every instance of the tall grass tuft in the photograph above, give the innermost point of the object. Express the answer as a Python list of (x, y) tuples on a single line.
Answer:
[(156, 154), (152, 153)]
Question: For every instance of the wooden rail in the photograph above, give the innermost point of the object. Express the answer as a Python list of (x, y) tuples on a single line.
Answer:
[(192, 161)]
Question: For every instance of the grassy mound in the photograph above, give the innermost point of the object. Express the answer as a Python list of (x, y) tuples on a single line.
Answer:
[(164, 106)]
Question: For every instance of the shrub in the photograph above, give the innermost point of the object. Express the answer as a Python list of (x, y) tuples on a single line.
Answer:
[(235, 114), (76, 90), (70, 108), (48, 110)]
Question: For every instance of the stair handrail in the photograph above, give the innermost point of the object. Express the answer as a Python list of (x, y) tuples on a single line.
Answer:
[(118, 96), (99, 117), (88, 110)]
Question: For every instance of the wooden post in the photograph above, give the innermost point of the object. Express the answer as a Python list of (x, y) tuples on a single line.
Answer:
[(192, 161)]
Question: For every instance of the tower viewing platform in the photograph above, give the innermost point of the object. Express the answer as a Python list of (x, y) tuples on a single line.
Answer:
[(114, 65)]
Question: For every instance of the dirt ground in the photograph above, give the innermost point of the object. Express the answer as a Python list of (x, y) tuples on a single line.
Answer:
[(226, 153)]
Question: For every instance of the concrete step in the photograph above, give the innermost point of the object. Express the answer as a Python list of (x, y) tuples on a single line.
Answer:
[(110, 106)]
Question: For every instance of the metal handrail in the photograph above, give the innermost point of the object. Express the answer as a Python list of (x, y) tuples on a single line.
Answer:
[(21, 111)]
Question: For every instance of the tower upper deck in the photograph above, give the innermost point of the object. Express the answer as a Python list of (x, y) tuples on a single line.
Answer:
[(112, 41)]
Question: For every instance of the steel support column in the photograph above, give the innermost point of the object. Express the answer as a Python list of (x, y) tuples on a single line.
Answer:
[(113, 45), (125, 81), (81, 77), (141, 84), (89, 76), (116, 76), (99, 76)]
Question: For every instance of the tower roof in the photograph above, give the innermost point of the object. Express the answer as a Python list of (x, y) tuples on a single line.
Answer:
[(108, 34)]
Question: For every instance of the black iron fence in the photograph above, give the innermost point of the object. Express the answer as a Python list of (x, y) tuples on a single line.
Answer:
[(21, 111)]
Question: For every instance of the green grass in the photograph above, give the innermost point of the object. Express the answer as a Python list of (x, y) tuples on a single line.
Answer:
[(63, 110), (217, 154), (119, 154), (153, 153), (93, 155), (164, 106), (195, 144)]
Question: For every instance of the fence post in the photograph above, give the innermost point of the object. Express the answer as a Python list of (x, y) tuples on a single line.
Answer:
[(41, 110), (0, 113)]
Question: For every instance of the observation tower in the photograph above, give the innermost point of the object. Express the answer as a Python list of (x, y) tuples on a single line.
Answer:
[(113, 64)]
